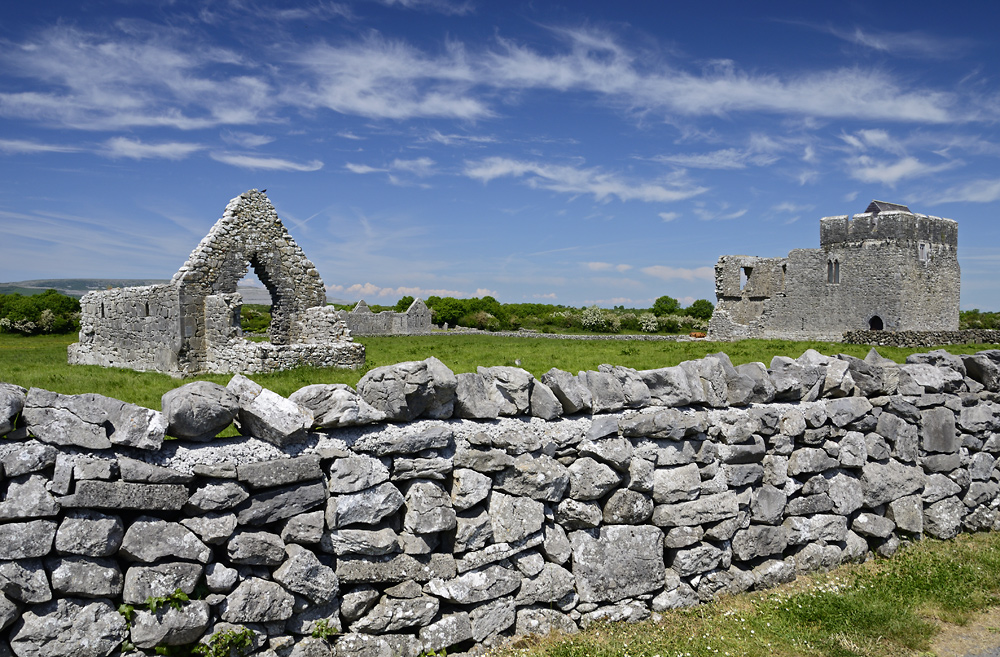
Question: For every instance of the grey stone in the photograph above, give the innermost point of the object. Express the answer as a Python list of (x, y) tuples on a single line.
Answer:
[(313, 619), (551, 585), (763, 391), (676, 484), (938, 487), (980, 492), (303, 573), (808, 505), (846, 492), (360, 541), (540, 478), (199, 410), (368, 506), (699, 559), (907, 513), (477, 585), (140, 471), (91, 421), (392, 615), (806, 529), (144, 582), (26, 540), (256, 548), (482, 460), (886, 482), (572, 514), (938, 432), (280, 472), (148, 539), (305, 528), (257, 601), (941, 462), (853, 450), (409, 390), (404, 469), (680, 537), (450, 630), (773, 572), (556, 545), (391, 569), (808, 460), (843, 412), (473, 398), (86, 577), (706, 509), (606, 392), (490, 618), (363, 645), (472, 532), (171, 626), (869, 524), (544, 403), (590, 480), (514, 518), (670, 386), (616, 452), (617, 562), (540, 620), (497, 552), (469, 488), (572, 393), (356, 473), (27, 497), (640, 474), (91, 468), (627, 507), (356, 603), (981, 466), (281, 503), (428, 508), (216, 496), (943, 519), (122, 495), (28, 458), (336, 405), (509, 387), (406, 443), (12, 399), (267, 415), (212, 528), (69, 626), (25, 581)]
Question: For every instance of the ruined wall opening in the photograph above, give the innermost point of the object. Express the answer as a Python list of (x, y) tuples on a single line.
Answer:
[(875, 324), (745, 277)]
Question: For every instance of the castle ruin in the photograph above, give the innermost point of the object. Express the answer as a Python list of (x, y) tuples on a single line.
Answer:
[(192, 324), (885, 269)]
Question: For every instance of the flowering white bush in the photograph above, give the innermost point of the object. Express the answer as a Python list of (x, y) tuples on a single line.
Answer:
[(593, 319), (648, 323)]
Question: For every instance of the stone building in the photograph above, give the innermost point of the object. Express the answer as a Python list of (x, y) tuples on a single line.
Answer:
[(884, 269), (363, 322), (192, 324)]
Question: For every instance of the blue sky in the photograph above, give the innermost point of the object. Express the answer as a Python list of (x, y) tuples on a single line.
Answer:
[(562, 152)]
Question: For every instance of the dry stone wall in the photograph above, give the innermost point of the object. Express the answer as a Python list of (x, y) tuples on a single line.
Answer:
[(428, 510)]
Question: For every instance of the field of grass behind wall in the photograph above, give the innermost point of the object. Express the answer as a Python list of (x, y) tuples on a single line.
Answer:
[(40, 361)]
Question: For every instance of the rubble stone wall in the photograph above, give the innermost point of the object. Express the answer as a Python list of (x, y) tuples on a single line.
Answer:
[(428, 510), (363, 322)]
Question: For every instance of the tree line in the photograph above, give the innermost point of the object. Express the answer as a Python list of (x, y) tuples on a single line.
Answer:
[(48, 312)]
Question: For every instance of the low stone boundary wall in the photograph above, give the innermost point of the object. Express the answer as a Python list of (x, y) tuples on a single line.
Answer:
[(427, 510), (922, 338)]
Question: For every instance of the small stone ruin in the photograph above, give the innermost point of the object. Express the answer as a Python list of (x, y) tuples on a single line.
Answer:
[(192, 324)]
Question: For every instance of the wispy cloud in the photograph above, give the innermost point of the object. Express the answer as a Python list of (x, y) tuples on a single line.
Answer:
[(459, 140), (362, 168), (245, 139), (666, 273), (668, 216), (870, 170), (138, 150), (923, 45), (24, 146), (265, 163), (372, 291), (422, 166), (448, 7), (720, 212), (606, 266), (986, 190), (571, 180)]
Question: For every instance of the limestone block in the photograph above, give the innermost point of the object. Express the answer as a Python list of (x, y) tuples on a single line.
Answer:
[(170, 626), (846, 492), (360, 541), (473, 398), (491, 618), (943, 519), (95, 494), (428, 508), (627, 507), (590, 480), (267, 415), (409, 442), (302, 573), (509, 387), (773, 572), (886, 482), (356, 473), (617, 562), (368, 506), (256, 548), (312, 618), (704, 510), (91, 421), (937, 431), (336, 405), (216, 496), (981, 466), (794, 381), (695, 560), (473, 531), (678, 484), (409, 390), (148, 539), (198, 411), (544, 621), (808, 460), (397, 568), (907, 513), (572, 393), (806, 529), (144, 582), (31, 457), (142, 472), (477, 586), (707, 380), (257, 601), (543, 402), (363, 645), (213, 528), (69, 626), (869, 524), (514, 518), (844, 411), (27, 497), (279, 472), (12, 399), (281, 503), (497, 552), (450, 630), (615, 451), (541, 478), (573, 514), (469, 488), (85, 577), (556, 545), (978, 367), (26, 540), (25, 581), (392, 615)]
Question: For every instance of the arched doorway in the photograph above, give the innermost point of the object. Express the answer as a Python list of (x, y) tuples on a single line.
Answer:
[(875, 323)]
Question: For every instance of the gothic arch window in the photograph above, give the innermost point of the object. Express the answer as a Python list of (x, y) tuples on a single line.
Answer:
[(836, 271), (833, 271)]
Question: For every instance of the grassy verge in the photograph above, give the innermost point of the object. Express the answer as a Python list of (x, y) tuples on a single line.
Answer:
[(40, 361), (881, 608)]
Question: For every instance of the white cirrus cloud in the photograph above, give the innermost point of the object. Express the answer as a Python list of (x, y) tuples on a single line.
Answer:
[(549, 295), (668, 216), (448, 7), (259, 162), (137, 150), (422, 166), (985, 190), (245, 139), (870, 170), (362, 168), (372, 291), (666, 273), (572, 180), (26, 146)]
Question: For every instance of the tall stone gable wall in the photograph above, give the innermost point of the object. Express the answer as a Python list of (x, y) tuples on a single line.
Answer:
[(899, 267), (428, 510), (194, 322)]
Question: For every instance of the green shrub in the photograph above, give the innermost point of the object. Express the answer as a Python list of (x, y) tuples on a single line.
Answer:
[(665, 306), (48, 312), (700, 309)]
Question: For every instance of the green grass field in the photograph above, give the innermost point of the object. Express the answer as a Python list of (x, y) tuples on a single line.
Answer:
[(40, 361)]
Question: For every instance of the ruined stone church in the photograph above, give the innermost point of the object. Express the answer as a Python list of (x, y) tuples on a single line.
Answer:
[(885, 269), (192, 323)]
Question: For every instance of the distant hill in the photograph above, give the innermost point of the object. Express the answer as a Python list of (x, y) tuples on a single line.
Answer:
[(77, 287)]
